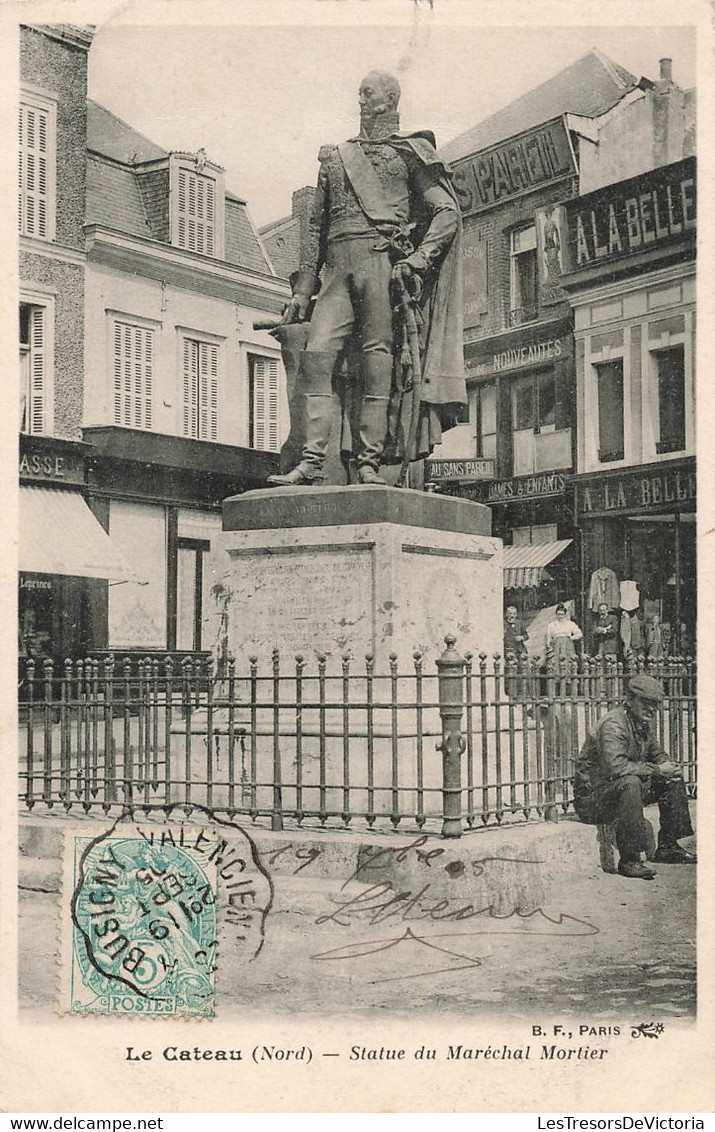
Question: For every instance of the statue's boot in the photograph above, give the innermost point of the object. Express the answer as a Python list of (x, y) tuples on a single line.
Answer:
[(316, 377), (372, 429)]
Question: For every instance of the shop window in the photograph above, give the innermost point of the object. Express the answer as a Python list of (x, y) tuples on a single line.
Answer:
[(200, 379), (197, 201), (611, 431), (485, 420), (133, 375), (263, 409), (36, 167), (540, 423), (137, 611), (533, 535), (36, 322), (523, 276), (189, 593), (670, 368)]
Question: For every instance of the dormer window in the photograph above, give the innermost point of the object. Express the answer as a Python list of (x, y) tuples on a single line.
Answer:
[(197, 205)]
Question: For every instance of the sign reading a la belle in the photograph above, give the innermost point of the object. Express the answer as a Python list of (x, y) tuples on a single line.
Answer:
[(632, 216), (523, 163), (643, 491)]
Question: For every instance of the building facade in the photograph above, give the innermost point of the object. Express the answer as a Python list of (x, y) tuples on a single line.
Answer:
[(184, 400), (631, 281), (515, 175), (65, 557), (146, 394)]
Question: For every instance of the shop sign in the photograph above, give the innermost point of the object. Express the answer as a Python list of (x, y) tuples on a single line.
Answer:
[(638, 492), (519, 357), (519, 165), (47, 461), (28, 582), (525, 487), (476, 299), (464, 471), (632, 216), (550, 247)]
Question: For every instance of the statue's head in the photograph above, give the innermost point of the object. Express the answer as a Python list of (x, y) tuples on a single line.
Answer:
[(379, 95)]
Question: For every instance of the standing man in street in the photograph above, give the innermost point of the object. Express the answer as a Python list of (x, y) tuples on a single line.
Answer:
[(384, 218), (620, 769), (515, 638)]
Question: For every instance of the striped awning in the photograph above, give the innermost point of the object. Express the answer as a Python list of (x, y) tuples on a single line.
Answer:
[(60, 535), (524, 565)]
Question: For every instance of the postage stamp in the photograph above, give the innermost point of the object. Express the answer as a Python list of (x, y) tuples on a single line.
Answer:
[(145, 912)]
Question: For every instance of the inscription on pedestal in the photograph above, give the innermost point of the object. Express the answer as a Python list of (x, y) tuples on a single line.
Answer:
[(305, 598)]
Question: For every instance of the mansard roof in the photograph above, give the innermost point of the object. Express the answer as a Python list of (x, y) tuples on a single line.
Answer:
[(589, 87), (128, 190)]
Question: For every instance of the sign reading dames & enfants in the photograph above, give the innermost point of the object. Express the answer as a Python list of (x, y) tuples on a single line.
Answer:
[(519, 165), (643, 491), (632, 216), (513, 490)]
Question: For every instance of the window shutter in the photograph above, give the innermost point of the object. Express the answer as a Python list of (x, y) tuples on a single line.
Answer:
[(148, 377), (259, 404), (264, 430), (272, 365), (133, 375), (190, 388), (33, 171), (182, 208), (213, 392), (210, 214), (37, 370), (202, 431), (196, 212)]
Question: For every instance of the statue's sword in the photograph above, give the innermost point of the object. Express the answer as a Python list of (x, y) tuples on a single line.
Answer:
[(407, 306)]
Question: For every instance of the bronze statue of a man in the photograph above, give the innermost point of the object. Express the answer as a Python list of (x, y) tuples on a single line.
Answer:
[(384, 217)]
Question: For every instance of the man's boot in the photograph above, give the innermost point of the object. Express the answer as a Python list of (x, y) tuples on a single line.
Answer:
[(315, 375), (377, 379)]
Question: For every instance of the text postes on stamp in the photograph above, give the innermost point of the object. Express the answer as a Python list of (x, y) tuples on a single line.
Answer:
[(146, 912)]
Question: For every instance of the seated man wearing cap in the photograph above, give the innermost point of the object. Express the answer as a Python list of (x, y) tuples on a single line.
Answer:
[(620, 769)]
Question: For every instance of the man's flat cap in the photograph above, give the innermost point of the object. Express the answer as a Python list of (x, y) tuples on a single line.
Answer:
[(646, 687)]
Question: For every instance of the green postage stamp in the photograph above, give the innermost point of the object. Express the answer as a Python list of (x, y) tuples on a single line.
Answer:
[(141, 929)]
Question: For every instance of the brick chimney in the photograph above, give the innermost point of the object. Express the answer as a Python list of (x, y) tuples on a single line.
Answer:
[(669, 118), (302, 202)]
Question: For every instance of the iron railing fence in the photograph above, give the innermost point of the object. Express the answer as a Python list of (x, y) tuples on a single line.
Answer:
[(470, 740)]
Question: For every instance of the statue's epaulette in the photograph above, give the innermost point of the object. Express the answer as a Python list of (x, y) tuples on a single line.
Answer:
[(325, 151)]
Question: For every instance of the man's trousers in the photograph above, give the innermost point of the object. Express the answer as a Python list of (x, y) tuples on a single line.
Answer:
[(621, 801)]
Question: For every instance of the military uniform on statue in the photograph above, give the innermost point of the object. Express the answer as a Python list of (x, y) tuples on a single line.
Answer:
[(384, 224)]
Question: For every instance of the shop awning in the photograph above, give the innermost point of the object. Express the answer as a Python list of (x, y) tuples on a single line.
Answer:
[(60, 535), (524, 565)]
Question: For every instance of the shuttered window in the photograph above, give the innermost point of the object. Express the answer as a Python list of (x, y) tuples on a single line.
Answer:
[(200, 363), (611, 425), (36, 173), (133, 375), (196, 213), (34, 410), (263, 403)]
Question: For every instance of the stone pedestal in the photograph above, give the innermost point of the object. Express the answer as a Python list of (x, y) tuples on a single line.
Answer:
[(355, 570)]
